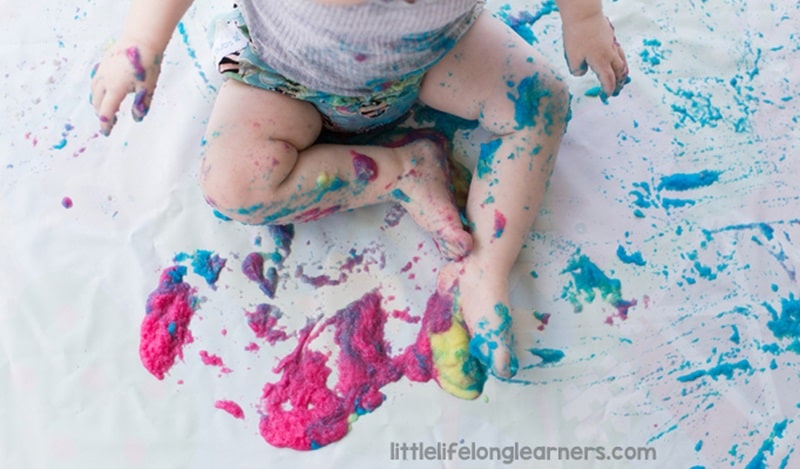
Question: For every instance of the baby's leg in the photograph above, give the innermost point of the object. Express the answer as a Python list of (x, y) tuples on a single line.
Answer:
[(261, 166), (494, 76)]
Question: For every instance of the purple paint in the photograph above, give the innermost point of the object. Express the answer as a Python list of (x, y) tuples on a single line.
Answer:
[(365, 167), (263, 322), (136, 61), (253, 269), (66, 202), (140, 106)]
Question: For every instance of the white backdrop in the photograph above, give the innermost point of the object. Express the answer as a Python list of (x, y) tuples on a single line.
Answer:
[(680, 195)]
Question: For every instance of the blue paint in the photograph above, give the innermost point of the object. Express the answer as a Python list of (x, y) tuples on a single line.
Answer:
[(547, 355), (724, 369), (171, 328), (633, 258), (400, 195), (735, 337), (652, 55), (526, 103), (587, 280), (684, 182), (485, 341), (523, 20), (486, 157), (786, 324), (193, 55), (222, 216), (207, 265), (697, 108), (699, 445), (759, 461)]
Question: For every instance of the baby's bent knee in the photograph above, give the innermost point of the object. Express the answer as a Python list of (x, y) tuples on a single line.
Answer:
[(242, 184)]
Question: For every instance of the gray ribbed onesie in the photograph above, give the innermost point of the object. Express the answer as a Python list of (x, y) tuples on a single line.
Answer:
[(343, 50)]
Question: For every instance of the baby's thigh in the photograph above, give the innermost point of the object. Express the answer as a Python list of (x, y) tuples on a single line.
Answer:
[(245, 115), (252, 143), (483, 76)]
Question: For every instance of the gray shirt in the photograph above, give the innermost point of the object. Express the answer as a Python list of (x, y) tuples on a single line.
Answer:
[(348, 50)]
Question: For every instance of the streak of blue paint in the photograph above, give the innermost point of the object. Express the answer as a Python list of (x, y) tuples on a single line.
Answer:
[(633, 258)]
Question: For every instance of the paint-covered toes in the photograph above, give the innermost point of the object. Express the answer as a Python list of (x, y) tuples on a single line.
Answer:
[(492, 344)]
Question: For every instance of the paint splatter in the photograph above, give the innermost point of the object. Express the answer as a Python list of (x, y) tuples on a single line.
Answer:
[(587, 281), (365, 167), (253, 269), (499, 224), (264, 323), (165, 328), (66, 202), (230, 407)]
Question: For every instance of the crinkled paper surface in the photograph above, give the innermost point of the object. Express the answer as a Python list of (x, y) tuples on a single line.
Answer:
[(656, 302)]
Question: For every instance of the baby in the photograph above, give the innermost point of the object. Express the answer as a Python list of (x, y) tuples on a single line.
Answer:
[(297, 67)]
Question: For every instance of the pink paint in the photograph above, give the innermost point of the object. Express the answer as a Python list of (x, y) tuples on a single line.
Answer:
[(406, 267), (315, 214), (544, 319), (300, 411), (365, 167), (214, 360), (230, 407), (252, 347), (66, 202), (136, 61), (264, 321), (499, 224), (165, 328)]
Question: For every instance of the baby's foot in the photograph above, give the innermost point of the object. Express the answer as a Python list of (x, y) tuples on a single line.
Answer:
[(483, 303), (424, 193), (455, 369)]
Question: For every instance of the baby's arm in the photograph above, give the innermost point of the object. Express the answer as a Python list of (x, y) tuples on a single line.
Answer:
[(132, 65), (589, 41)]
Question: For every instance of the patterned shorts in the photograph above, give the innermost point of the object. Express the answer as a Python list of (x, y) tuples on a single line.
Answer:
[(235, 59)]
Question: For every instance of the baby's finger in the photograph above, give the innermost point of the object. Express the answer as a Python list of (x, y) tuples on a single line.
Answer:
[(607, 77), (141, 104), (576, 64), (107, 110), (620, 67)]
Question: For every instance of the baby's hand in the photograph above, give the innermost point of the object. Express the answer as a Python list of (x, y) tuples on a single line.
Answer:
[(590, 42), (125, 68)]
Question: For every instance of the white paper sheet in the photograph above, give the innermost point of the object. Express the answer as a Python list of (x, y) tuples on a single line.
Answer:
[(702, 371)]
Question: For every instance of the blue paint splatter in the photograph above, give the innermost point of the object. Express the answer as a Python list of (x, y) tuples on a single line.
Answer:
[(759, 461), (684, 182), (193, 55), (526, 103), (724, 369), (633, 258), (547, 355), (486, 157)]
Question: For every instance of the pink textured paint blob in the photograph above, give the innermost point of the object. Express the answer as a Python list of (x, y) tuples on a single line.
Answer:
[(230, 407), (165, 327), (302, 412), (66, 202), (365, 167)]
